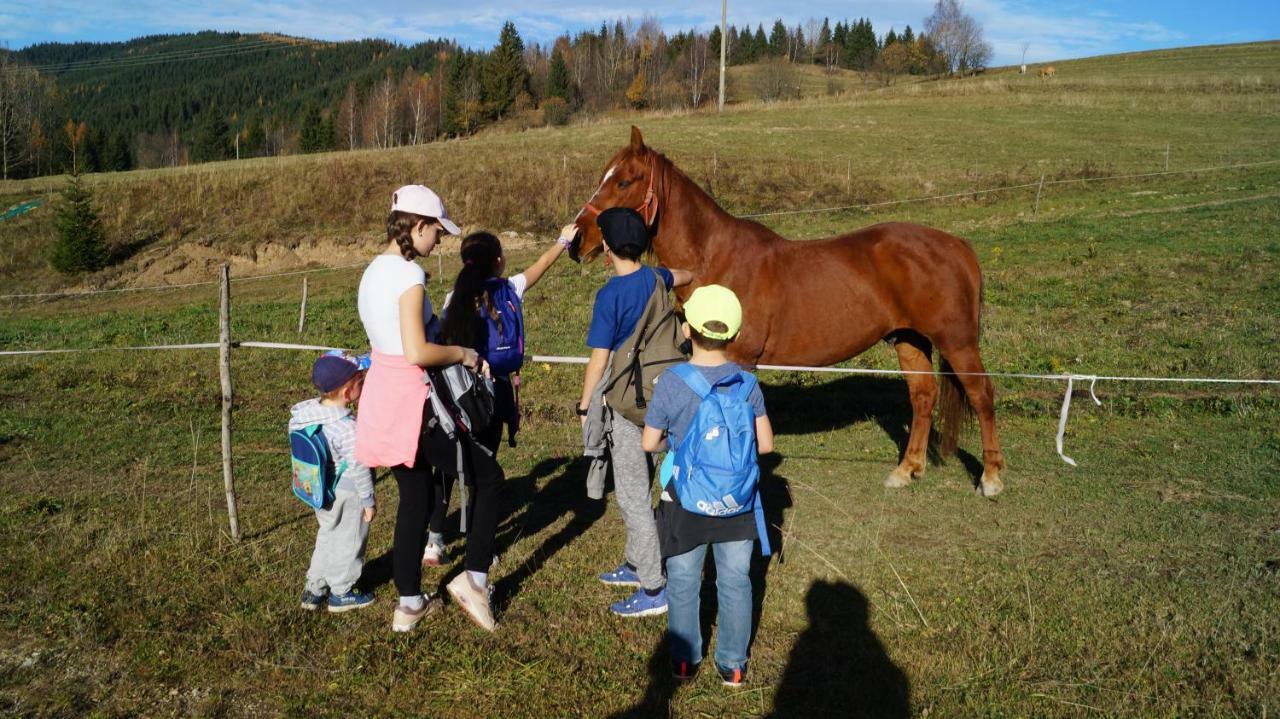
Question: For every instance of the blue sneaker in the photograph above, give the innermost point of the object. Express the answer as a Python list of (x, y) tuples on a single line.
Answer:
[(623, 576), (353, 599), (641, 605), (311, 602)]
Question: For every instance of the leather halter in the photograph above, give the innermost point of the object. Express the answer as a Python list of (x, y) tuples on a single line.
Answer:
[(647, 209)]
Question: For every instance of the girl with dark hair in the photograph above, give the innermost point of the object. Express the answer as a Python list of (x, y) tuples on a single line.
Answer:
[(468, 315), (394, 427)]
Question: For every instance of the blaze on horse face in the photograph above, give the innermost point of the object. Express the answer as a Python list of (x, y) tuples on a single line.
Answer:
[(627, 182)]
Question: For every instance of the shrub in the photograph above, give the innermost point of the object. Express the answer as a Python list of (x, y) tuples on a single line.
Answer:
[(81, 245), (776, 79), (556, 111)]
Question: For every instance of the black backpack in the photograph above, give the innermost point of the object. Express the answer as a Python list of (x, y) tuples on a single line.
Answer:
[(466, 398)]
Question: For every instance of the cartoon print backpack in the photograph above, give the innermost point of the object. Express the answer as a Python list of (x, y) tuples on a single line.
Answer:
[(714, 469), (505, 335), (314, 475)]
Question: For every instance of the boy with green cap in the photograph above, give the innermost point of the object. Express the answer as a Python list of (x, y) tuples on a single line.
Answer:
[(706, 512)]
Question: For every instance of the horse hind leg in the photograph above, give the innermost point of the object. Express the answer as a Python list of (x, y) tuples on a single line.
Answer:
[(915, 354), (969, 373)]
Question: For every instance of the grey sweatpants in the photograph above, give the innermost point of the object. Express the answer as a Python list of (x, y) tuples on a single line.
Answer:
[(339, 555), (633, 486)]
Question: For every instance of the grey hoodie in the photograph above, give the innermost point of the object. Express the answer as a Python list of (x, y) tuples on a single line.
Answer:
[(340, 431)]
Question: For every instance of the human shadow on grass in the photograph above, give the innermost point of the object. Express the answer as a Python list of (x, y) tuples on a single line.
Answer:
[(534, 510), (775, 493), (838, 667), (836, 404)]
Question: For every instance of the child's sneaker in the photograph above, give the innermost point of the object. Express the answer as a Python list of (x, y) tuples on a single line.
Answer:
[(353, 599), (311, 602), (641, 604), (623, 576), (683, 671), (433, 555), (474, 600), (404, 619), (732, 677)]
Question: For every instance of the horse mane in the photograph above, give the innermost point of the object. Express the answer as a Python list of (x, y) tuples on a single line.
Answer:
[(693, 193)]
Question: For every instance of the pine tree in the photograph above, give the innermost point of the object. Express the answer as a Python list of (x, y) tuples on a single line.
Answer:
[(213, 138), (311, 136), (890, 39), (118, 156), (778, 39), (824, 37), (81, 246), (908, 36), (558, 77), (505, 75), (761, 44)]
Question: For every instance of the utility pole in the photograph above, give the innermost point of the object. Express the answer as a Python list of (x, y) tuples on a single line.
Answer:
[(724, 42)]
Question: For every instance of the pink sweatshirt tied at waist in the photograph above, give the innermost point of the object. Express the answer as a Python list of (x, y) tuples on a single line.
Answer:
[(390, 418)]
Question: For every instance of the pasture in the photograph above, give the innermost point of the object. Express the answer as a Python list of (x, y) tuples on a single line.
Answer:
[(1143, 582)]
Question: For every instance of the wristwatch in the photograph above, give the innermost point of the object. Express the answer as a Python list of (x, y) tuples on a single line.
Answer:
[(581, 411)]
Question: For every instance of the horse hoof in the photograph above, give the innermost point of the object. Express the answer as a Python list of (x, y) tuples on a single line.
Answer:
[(897, 479), (991, 486)]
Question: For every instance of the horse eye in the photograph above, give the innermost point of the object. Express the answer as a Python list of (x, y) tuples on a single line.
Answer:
[(622, 184)]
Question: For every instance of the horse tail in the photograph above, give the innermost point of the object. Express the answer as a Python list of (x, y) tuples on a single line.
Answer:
[(954, 411)]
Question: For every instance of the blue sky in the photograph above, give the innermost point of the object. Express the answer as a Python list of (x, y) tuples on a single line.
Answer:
[(1054, 29)]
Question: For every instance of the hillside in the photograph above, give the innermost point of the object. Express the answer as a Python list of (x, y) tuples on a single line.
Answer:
[(165, 82), (907, 140)]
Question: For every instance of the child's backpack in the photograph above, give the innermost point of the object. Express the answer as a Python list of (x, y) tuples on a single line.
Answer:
[(714, 471), (314, 475), (462, 403), (504, 348), (654, 345)]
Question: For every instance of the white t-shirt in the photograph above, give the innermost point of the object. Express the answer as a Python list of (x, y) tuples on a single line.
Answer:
[(385, 279), (518, 284)]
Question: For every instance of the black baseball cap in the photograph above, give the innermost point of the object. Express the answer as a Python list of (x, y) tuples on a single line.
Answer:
[(624, 231)]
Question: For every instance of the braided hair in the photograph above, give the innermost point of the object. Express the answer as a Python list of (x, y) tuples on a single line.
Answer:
[(400, 226)]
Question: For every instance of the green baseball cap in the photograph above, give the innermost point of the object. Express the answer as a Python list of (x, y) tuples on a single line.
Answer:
[(711, 303)]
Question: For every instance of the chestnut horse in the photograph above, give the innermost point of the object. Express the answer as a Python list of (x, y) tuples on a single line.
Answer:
[(820, 302)]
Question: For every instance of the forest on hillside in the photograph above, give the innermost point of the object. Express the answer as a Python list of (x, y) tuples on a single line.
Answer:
[(169, 100)]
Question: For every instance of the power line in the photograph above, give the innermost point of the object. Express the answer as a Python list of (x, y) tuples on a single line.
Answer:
[(156, 58)]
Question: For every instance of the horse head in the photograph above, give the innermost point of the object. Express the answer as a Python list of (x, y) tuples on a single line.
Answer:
[(628, 181)]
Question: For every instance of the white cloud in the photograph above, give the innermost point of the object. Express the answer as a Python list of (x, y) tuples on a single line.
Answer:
[(1062, 30)]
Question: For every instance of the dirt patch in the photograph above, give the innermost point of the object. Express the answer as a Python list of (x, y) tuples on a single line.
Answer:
[(199, 261)]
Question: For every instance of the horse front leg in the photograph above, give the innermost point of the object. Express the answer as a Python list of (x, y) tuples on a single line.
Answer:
[(915, 355)]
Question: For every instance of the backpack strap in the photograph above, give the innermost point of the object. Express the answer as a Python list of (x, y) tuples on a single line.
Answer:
[(749, 383), (694, 379), (762, 527)]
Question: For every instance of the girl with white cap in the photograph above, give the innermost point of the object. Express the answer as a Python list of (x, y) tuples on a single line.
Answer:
[(394, 429)]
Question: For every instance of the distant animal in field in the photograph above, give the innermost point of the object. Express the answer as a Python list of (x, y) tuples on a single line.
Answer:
[(1048, 73)]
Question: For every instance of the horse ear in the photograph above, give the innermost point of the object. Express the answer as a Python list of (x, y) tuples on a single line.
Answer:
[(637, 141)]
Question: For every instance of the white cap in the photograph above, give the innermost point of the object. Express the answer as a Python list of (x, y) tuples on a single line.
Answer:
[(420, 200)]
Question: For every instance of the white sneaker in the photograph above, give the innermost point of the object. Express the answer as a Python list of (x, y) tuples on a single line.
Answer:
[(404, 619), (474, 600), (433, 555)]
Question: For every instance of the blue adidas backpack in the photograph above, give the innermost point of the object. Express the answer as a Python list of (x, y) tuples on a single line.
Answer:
[(314, 475), (505, 345), (714, 468)]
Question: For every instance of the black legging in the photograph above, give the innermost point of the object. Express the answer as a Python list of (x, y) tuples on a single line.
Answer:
[(417, 491)]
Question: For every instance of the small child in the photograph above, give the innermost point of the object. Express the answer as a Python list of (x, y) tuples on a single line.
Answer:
[(713, 317), (344, 525)]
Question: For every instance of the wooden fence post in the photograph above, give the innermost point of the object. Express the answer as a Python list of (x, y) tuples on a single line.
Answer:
[(224, 370), (302, 311), (1166, 157), (1036, 211)]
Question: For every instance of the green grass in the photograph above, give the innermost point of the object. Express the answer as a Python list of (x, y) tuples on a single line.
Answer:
[(1141, 583)]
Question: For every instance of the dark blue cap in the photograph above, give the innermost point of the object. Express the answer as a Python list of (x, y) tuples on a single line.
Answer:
[(332, 371), (623, 229)]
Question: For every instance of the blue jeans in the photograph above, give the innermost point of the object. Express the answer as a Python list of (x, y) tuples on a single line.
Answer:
[(733, 590)]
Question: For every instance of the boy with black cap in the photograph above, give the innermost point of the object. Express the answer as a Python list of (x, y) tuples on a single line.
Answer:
[(338, 558), (618, 307)]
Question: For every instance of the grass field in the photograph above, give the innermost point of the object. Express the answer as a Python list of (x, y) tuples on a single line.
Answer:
[(1142, 583)]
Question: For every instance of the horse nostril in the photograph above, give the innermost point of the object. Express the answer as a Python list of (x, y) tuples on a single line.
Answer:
[(575, 247)]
